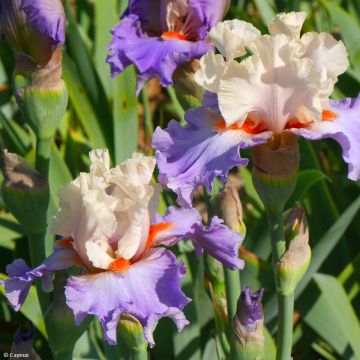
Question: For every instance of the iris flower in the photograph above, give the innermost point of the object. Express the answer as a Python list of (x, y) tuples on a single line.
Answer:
[(159, 35), (260, 88), (111, 232)]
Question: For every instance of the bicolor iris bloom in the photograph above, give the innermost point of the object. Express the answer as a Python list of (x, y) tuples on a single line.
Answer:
[(34, 28), (110, 230), (259, 87), (159, 35)]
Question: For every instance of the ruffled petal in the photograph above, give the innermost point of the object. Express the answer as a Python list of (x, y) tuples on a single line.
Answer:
[(289, 24), (329, 54), (48, 16), (209, 12), (194, 155), (153, 56), (149, 290), (232, 36), (274, 86), (22, 276), (345, 129), (148, 12), (217, 240)]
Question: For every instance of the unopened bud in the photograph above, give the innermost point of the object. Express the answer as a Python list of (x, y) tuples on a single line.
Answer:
[(132, 332), (248, 325), (23, 343), (275, 170), (230, 209), (25, 192), (295, 261), (188, 91)]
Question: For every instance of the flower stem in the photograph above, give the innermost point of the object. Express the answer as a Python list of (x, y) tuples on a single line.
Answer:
[(285, 302), (233, 290), (43, 149), (138, 353)]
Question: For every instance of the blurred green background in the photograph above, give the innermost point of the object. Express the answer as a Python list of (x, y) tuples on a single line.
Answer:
[(104, 112)]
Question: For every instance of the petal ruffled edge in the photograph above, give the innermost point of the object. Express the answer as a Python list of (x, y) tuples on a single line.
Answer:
[(149, 291)]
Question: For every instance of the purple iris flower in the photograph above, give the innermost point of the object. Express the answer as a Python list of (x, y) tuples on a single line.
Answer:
[(159, 35), (111, 231), (282, 88), (34, 28)]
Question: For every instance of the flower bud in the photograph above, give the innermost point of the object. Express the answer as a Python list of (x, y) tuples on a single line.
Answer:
[(132, 332), (248, 325), (188, 91), (229, 209), (33, 28), (275, 170), (23, 343), (43, 97), (296, 259), (25, 193)]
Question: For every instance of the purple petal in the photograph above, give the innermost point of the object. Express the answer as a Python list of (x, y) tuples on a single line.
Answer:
[(194, 155), (48, 17), (148, 12), (220, 242), (153, 56), (148, 290), (345, 130), (209, 12), (217, 240), (22, 276), (249, 308)]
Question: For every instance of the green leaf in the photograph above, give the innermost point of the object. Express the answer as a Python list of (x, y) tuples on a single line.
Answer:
[(82, 105), (306, 179), (331, 315), (270, 348), (31, 308), (266, 9), (125, 115), (9, 230)]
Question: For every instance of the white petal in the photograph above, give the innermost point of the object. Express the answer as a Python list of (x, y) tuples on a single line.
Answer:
[(274, 85), (232, 36), (212, 68), (288, 24), (99, 252), (329, 54), (100, 162)]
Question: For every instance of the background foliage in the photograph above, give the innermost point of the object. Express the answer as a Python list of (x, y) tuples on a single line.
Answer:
[(105, 113)]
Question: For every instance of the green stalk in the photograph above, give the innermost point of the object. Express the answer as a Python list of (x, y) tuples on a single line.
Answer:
[(63, 356), (285, 302), (43, 150), (139, 353), (233, 290)]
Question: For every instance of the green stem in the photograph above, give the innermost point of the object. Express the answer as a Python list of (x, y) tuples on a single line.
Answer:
[(139, 353), (285, 303), (43, 150), (37, 255), (63, 356), (233, 290)]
